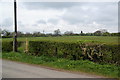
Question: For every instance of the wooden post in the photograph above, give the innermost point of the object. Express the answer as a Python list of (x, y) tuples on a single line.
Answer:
[(26, 48), (15, 32)]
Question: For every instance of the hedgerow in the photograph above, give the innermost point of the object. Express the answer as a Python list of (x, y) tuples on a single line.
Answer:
[(7, 46), (76, 51)]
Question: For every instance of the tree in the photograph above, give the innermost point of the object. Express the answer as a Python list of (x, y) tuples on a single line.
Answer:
[(82, 34), (20, 34), (49, 34), (68, 33), (36, 34), (100, 32), (89, 34), (103, 30), (6, 33), (115, 34), (28, 34), (57, 32), (106, 34)]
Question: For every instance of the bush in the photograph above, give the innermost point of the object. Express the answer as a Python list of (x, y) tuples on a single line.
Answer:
[(111, 54), (72, 51), (7, 46), (69, 50), (76, 51), (59, 49), (7, 36)]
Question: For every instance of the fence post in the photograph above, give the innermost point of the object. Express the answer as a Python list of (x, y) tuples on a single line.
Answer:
[(26, 45)]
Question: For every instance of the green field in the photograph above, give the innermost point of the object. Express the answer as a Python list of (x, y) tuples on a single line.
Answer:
[(99, 39), (101, 68)]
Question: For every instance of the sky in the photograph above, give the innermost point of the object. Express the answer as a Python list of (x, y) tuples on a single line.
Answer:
[(66, 16)]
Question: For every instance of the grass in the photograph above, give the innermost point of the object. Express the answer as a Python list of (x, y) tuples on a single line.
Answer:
[(108, 70), (99, 39), (79, 65)]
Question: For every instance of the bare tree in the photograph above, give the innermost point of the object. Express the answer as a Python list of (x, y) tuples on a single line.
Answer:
[(57, 32)]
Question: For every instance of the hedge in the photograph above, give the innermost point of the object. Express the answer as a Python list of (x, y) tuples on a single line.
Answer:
[(7, 46), (111, 54), (75, 51)]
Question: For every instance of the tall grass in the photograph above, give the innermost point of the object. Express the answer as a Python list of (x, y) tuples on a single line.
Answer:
[(79, 65)]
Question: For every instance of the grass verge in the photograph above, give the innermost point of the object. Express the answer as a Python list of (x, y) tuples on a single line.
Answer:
[(79, 65)]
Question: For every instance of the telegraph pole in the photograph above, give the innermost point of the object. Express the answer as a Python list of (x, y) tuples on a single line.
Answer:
[(15, 28)]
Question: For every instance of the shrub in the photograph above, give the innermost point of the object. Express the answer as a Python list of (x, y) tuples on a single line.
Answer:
[(76, 51), (68, 50), (7, 36), (111, 54), (61, 49), (7, 46)]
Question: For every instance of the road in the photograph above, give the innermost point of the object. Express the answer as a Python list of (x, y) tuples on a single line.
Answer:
[(12, 69)]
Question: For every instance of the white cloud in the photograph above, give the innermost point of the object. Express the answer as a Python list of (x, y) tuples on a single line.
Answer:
[(75, 17)]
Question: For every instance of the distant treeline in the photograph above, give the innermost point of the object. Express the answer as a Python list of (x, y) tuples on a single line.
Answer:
[(102, 32)]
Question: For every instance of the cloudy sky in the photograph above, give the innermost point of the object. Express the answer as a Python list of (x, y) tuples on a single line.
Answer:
[(66, 16)]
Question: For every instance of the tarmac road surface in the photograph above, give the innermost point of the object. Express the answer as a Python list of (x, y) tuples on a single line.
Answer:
[(12, 69)]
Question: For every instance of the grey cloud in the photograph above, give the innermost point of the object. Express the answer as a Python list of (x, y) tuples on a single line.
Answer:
[(60, 5), (108, 14), (103, 13), (51, 5)]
